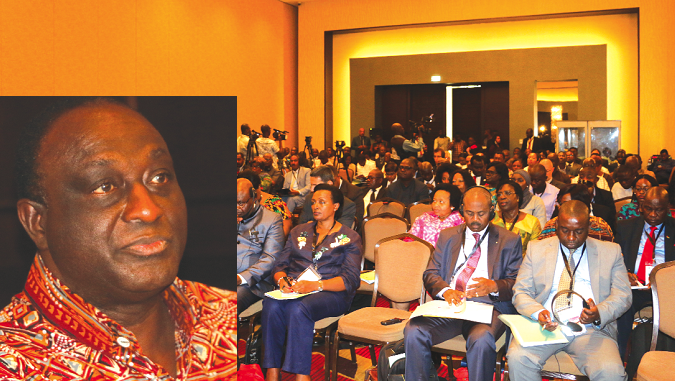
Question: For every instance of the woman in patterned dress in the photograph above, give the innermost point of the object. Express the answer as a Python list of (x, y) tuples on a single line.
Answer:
[(444, 214)]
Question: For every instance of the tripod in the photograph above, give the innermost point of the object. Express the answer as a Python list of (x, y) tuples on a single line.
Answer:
[(250, 148)]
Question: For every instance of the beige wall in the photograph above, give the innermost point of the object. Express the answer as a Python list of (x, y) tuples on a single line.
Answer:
[(155, 47), (521, 68), (656, 18)]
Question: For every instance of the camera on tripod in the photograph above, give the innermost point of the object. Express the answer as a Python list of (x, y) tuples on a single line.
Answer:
[(279, 135), (254, 135), (339, 144)]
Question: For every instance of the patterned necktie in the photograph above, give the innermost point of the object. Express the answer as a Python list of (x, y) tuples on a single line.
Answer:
[(471, 264), (647, 255), (565, 283)]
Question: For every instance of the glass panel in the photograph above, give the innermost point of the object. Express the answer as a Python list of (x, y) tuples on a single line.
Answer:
[(606, 139), (572, 137)]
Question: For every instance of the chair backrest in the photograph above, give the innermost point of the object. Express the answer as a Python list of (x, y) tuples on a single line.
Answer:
[(400, 262), (386, 205), (418, 208), (378, 227), (662, 279), (619, 204)]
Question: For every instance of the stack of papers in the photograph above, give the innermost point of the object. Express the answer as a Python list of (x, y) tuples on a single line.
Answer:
[(529, 333), (368, 277), (478, 312)]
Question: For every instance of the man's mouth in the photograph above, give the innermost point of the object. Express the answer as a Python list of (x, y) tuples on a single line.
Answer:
[(147, 246)]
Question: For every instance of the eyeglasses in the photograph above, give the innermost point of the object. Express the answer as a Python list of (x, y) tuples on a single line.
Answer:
[(505, 193), (405, 168)]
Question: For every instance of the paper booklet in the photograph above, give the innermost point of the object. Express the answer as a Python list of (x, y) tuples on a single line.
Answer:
[(474, 311), (368, 276), (529, 332), (310, 274)]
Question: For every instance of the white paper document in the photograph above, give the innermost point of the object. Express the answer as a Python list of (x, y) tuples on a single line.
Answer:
[(277, 294), (478, 312)]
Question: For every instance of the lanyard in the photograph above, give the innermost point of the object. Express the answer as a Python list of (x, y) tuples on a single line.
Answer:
[(567, 264), (649, 237), (473, 251), (514, 221)]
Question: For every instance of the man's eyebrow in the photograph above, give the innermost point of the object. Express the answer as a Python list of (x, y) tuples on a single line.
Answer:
[(99, 163), (157, 152)]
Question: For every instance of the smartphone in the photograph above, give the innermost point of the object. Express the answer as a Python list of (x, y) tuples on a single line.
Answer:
[(391, 321)]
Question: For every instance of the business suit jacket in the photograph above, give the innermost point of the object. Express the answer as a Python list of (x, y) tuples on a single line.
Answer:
[(348, 211), (628, 233), (557, 184), (504, 252), (256, 253), (605, 198), (609, 282), (303, 180), (536, 145), (573, 169), (356, 142)]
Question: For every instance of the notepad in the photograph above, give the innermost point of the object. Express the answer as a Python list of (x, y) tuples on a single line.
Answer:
[(368, 277), (278, 295), (474, 311), (529, 333)]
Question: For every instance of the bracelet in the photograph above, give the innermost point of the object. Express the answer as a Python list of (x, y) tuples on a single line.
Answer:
[(320, 285)]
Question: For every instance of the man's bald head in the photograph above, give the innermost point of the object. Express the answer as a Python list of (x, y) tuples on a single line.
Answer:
[(656, 206), (397, 129), (374, 179), (572, 225), (476, 208), (244, 185), (633, 163)]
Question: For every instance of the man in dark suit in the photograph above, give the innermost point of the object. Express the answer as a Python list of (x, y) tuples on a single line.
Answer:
[(653, 234), (530, 141), (456, 270), (589, 177), (325, 174), (361, 142), (374, 190), (572, 168), (407, 189)]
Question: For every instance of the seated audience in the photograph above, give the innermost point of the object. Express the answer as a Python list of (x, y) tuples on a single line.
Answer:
[(602, 282), (375, 190), (407, 189), (326, 175), (445, 213), (390, 172), (598, 228), (591, 164), (439, 157), (444, 173), (532, 159), (548, 166), (471, 282), (589, 177), (260, 237), (509, 216), (240, 162), (558, 169), (463, 180), (297, 182), (425, 174), (572, 168), (495, 173), (328, 248), (646, 241), (477, 169), (640, 186), (662, 167), (547, 192), (621, 190), (363, 166), (517, 165), (266, 183), (531, 204)]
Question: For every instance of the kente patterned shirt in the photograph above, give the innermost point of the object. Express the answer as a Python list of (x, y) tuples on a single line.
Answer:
[(528, 228), (598, 229), (49, 333), (277, 205), (428, 226)]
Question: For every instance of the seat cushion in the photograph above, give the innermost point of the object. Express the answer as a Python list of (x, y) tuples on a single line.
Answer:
[(458, 344), (656, 365), (365, 323), (251, 310), (325, 322)]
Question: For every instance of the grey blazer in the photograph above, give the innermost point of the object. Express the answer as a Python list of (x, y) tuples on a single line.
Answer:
[(609, 281), (260, 239), (303, 180), (504, 256)]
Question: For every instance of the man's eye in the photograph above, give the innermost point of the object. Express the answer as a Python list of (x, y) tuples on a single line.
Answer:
[(104, 188), (160, 178)]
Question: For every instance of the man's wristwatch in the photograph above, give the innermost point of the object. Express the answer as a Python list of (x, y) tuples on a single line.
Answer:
[(320, 285)]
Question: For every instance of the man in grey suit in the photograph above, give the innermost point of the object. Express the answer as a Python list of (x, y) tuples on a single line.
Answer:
[(260, 238), (601, 281), (458, 269), (297, 182)]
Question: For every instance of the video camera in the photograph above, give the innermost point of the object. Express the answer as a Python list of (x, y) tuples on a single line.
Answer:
[(339, 144), (254, 135), (279, 135), (308, 140)]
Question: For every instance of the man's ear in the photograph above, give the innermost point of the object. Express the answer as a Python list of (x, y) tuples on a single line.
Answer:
[(32, 215)]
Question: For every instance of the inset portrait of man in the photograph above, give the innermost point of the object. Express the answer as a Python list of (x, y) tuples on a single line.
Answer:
[(99, 196)]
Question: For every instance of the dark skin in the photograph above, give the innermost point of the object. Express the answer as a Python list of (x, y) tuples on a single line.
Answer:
[(654, 209), (477, 217), (244, 203), (113, 225), (508, 205), (538, 177), (374, 179), (406, 171), (572, 231)]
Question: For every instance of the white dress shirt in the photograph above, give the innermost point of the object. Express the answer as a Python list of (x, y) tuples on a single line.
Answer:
[(464, 251), (549, 197), (366, 199)]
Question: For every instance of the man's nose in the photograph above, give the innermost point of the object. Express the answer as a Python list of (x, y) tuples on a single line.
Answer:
[(141, 205)]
